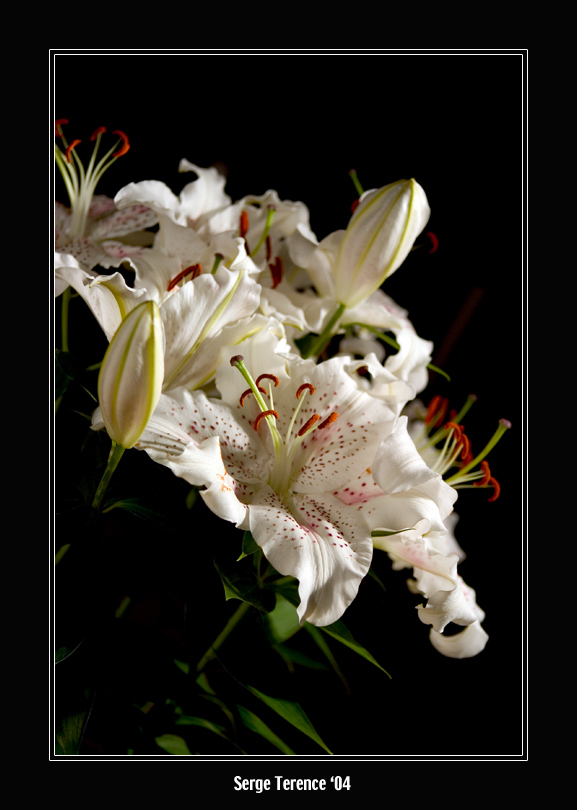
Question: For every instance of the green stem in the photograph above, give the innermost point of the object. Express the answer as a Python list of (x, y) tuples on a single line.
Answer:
[(116, 453), (322, 340), (221, 638), (65, 304)]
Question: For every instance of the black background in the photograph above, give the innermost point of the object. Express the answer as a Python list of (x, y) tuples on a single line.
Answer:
[(297, 123)]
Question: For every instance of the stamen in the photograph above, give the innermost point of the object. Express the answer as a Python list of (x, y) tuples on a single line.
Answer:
[(70, 148), (332, 417), (497, 491), (59, 124), (465, 446), (308, 424), (262, 415), (504, 425), (276, 270), (454, 426), (436, 411), (248, 391), (194, 269), (486, 475), (125, 144), (243, 224), (303, 387), (238, 358), (432, 409), (97, 132), (268, 377), (434, 240)]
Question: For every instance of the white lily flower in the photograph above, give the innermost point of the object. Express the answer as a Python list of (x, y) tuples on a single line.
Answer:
[(435, 554), (292, 465), (130, 380), (87, 229), (198, 199)]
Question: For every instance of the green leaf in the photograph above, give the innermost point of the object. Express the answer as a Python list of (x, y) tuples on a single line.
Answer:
[(65, 650), (254, 723), (241, 583), (292, 656), (136, 506), (183, 666), (187, 720), (323, 646), (173, 744), (283, 621), (337, 630), (202, 681), (249, 545), (292, 713), (70, 729), (340, 632)]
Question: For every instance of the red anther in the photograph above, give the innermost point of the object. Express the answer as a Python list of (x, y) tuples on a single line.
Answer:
[(497, 488), (243, 224), (268, 248), (452, 413), (486, 475), (441, 412), (434, 240), (262, 415), (309, 423), (465, 446), (268, 377), (125, 144), (276, 270), (248, 391), (330, 418), (194, 269), (303, 387), (59, 123), (354, 205), (454, 426), (432, 409), (97, 132), (70, 148)]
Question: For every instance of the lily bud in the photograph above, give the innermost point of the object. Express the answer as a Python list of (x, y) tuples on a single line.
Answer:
[(130, 381), (378, 238)]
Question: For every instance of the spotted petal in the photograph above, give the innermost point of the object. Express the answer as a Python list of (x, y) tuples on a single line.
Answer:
[(318, 540)]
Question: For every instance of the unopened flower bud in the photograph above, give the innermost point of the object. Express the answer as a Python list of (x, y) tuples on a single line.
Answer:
[(378, 238), (130, 381)]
